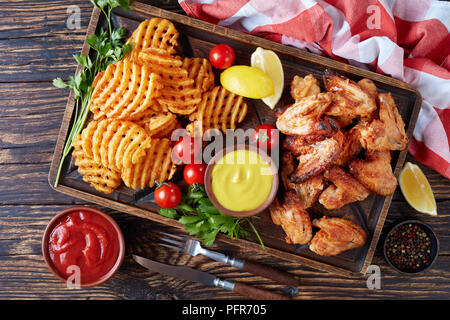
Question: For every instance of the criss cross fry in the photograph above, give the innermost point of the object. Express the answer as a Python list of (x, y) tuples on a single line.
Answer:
[(179, 94), (99, 177), (160, 125), (115, 144), (154, 33), (125, 90), (155, 165), (200, 70), (219, 109)]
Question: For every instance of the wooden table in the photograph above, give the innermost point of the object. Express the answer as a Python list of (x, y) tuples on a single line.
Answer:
[(35, 47)]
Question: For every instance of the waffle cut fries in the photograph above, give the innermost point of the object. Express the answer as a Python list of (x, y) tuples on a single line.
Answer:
[(160, 125), (155, 165), (219, 109), (115, 144), (154, 33), (99, 177), (125, 90), (138, 103), (200, 70), (179, 94)]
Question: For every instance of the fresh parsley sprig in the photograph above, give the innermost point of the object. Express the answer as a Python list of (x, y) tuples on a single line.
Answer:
[(202, 219), (110, 48)]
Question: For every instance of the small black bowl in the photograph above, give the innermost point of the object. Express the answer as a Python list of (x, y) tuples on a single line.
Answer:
[(434, 246)]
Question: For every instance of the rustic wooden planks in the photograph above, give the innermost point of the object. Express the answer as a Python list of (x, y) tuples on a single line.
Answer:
[(21, 262)]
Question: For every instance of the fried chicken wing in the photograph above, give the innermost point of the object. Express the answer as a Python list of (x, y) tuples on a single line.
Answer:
[(304, 87), (349, 99), (314, 158), (293, 218), (325, 129), (307, 191), (375, 172), (335, 236), (387, 133), (303, 117), (345, 189), (350, 148)]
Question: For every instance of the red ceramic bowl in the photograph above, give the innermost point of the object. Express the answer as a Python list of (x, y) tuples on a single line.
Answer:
[(52, 224), (241, 214)]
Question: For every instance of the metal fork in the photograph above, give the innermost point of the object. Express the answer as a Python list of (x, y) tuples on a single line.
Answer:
[(193, 248)]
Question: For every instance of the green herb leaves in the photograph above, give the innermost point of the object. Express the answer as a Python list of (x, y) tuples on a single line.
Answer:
[(102, 4), (81, 82), (84, 61), (110, 48), (109, 45), (169, 213), (202, 219)]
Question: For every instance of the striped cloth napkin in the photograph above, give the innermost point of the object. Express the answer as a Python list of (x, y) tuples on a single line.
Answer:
[(406, 39)]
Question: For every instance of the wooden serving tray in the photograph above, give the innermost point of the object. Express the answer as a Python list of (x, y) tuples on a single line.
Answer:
[(196, 39)]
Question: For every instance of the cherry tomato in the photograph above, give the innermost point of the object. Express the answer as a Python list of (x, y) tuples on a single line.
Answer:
[(186, 150), (266, 137), (221, 56), (194, 173), (167, 195)]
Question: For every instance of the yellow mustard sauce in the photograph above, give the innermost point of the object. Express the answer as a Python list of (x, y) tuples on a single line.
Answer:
[(241, 180)]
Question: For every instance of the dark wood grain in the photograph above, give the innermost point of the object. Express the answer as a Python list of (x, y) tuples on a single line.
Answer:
[(27, 203), (257, 293), (270, 273), (22, 261)]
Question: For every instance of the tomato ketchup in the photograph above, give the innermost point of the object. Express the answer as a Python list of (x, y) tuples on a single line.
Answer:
[(84, 239)]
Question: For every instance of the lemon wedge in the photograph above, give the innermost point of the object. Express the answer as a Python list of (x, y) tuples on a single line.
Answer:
[(247, 81), (268, 62), (416, 189)]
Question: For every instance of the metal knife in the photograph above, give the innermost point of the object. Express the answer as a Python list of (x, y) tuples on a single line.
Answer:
[(193, 275)]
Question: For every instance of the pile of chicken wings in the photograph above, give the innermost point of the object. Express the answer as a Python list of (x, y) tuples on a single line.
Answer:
[(336, 151)]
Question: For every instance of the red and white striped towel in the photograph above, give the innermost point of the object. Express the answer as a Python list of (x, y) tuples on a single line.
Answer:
[(406, 39)]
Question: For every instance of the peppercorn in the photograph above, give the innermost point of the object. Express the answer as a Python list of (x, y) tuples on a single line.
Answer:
[(414, 248)]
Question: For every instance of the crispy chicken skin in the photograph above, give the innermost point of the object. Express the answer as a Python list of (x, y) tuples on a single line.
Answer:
[(335, 236), (295, 144), (369, 86), (307, 191), (293, 218), (343, 121), (287, 168), (349, 99), (314, 159), (325, 129), (345, 189), (387, 133), (350, 148), (304, 87), (303, 117), (375, 172)]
